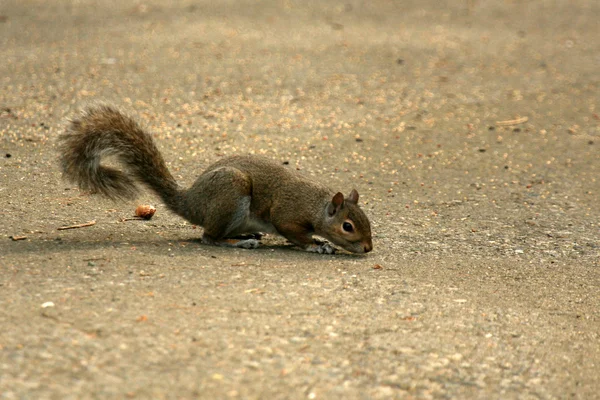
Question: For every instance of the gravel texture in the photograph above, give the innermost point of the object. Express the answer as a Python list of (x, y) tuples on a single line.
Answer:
[(470, 128)]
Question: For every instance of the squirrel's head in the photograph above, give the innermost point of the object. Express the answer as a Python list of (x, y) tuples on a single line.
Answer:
[(347, 225)]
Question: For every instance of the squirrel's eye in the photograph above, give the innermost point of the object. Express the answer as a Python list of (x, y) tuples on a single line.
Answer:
[(347, 226)]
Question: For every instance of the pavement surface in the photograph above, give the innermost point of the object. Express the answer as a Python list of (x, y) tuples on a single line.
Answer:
[(471, 130)]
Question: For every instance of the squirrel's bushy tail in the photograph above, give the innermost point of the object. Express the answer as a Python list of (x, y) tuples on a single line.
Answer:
[(104, 131)]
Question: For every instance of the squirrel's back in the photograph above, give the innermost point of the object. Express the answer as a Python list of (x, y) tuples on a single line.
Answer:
[(270, 178)]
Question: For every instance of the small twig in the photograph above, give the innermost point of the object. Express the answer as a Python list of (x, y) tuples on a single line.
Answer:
[(510, 122), (15, 238), (62, 228), (132, 219)]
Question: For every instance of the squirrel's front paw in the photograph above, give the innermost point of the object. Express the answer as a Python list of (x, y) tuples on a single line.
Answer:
[(321, 248)]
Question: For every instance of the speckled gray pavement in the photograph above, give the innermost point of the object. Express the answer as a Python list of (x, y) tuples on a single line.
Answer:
[(470, 129)]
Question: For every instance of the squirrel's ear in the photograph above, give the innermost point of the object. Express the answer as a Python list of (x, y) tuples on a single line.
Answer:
[(353, 197), (336, 203)]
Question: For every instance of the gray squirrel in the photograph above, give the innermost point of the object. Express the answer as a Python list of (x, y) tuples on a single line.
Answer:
[(238, 195)]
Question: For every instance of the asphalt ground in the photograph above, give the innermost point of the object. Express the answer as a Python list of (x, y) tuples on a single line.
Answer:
[(471, 130)]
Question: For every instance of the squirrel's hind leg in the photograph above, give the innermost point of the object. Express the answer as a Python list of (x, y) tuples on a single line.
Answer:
[(226, 194), (240, 243)]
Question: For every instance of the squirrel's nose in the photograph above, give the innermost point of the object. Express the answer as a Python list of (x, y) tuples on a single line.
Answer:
[(368, 246)]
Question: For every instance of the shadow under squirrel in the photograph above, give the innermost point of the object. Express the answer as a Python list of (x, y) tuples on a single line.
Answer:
[(235, 196)]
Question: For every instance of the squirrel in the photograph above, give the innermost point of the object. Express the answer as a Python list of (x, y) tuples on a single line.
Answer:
[(236, 196)]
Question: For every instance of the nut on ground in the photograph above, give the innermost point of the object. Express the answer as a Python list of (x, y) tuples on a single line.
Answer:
[(145, 211)]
